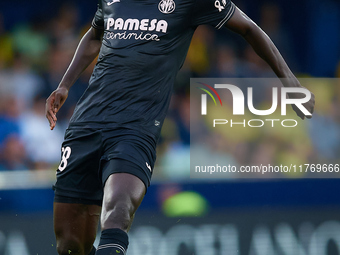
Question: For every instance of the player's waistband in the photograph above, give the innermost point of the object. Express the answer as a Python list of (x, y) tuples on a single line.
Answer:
[(112, 126)]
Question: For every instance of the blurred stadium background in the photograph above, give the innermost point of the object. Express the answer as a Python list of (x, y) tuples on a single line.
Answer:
[(179, 216)]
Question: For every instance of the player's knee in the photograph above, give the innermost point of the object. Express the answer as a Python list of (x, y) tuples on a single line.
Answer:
[(69, 246), (117, 215)]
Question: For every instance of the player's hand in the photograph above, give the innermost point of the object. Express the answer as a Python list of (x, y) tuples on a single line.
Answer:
[(309, 105), (53, 104)]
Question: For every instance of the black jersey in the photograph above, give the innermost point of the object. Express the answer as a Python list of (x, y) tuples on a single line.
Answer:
[(144, 45)]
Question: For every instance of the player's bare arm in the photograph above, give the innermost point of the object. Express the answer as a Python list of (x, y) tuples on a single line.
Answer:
[(86, 52), (265, 48)]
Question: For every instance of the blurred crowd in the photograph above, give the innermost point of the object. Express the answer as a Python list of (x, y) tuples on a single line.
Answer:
[(35, 54), (33, 58)]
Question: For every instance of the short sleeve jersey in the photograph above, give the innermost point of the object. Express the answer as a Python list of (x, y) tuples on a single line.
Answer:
[(145, 43)]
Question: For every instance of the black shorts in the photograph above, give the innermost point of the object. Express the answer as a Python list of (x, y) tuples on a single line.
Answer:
[(90, 155)]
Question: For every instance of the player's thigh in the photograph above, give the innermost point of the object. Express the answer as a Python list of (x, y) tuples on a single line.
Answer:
[(77, 174), (75, 225), (126, 170), (128, 151), (123, 193)]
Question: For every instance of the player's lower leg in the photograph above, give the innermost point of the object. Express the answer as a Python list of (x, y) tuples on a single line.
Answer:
[(123, 193), (113, 242), (75, 228)]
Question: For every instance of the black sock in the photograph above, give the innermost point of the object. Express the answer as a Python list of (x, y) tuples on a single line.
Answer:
[(112, 242), (93, 251)]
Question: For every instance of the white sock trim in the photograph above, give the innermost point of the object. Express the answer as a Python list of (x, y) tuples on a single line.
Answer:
[(111, 245)]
